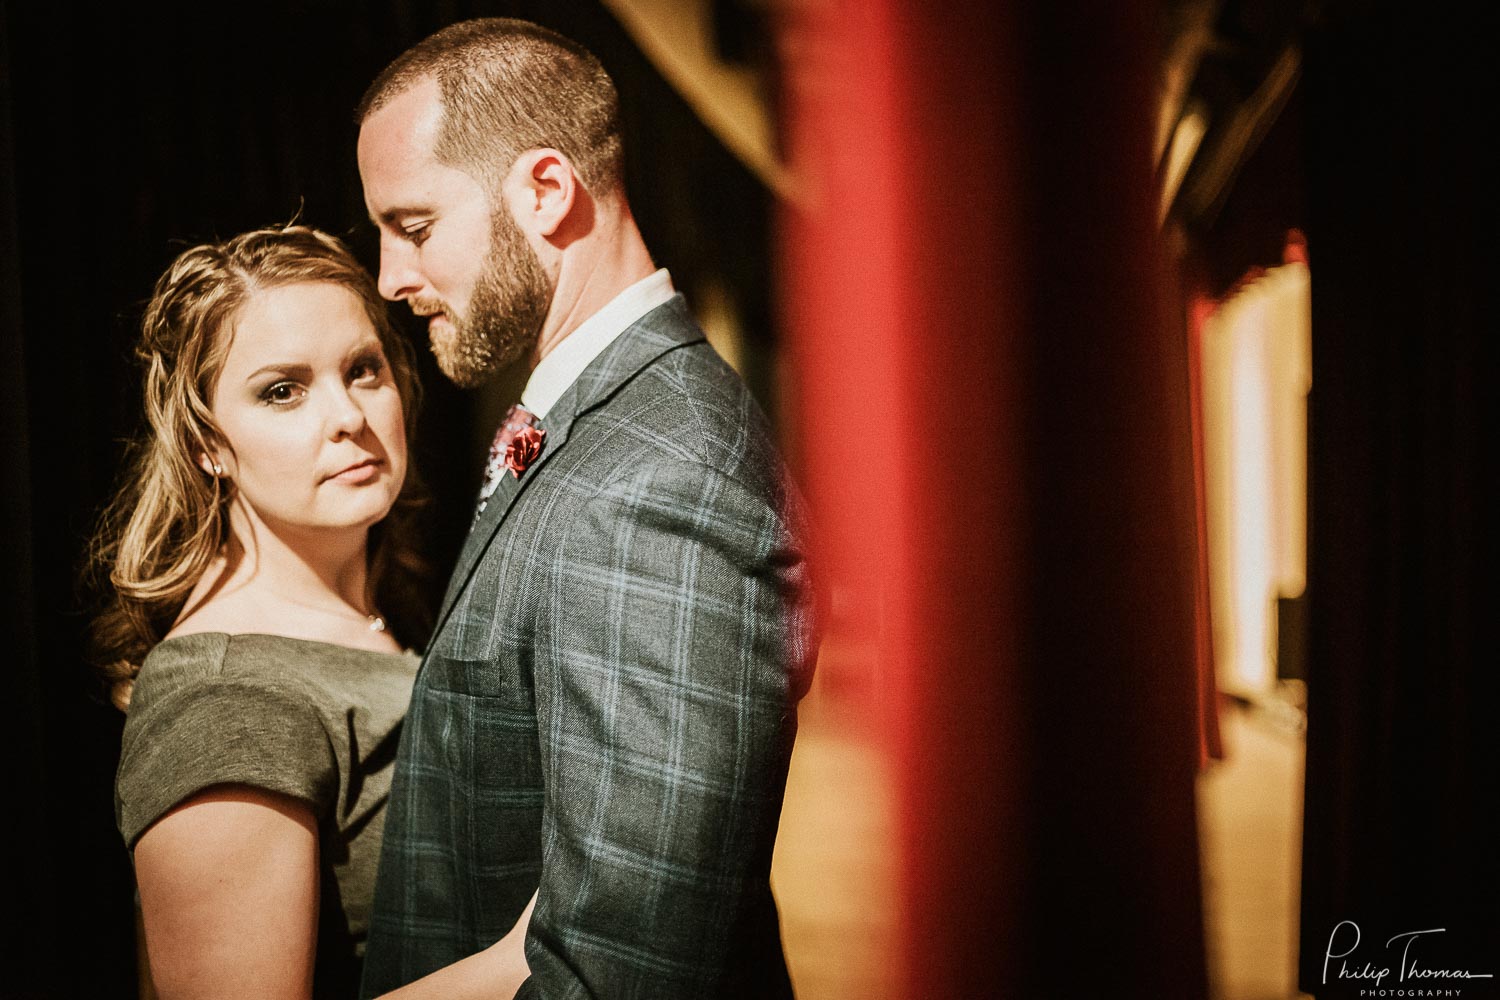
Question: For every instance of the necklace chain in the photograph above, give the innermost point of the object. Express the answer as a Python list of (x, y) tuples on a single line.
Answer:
[(375, 619)]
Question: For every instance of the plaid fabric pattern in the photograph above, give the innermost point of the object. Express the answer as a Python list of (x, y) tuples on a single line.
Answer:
[(607, 708)]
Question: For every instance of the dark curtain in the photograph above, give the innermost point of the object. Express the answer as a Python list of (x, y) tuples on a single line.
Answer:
[(1402, 753), (127, 133), (35, 900)]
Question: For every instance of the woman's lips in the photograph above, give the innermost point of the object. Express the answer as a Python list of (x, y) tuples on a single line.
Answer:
[(356, 474)]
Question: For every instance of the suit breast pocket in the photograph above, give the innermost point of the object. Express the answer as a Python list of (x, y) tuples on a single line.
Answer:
[(489, 728), (476, 678), (485, 758)]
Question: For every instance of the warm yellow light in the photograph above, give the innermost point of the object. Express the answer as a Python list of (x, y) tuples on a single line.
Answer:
[(1256, 374)]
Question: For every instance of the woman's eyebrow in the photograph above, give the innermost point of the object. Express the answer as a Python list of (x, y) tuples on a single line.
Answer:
[(280, 368), (369, 346)]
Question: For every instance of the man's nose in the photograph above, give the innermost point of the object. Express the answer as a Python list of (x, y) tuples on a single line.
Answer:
[(398, 277)]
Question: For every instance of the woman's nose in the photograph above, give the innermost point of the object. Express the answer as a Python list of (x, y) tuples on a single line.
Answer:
[(347, 417)]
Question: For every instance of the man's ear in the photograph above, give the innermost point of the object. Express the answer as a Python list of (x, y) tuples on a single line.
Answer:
[(544, 187)]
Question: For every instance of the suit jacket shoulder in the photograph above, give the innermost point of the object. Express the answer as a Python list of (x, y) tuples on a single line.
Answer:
[(685, 405)]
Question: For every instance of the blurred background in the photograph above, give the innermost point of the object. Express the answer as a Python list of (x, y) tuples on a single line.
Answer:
[(1129, 354)]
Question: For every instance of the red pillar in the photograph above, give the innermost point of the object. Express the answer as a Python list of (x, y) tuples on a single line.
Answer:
[(996, 439)]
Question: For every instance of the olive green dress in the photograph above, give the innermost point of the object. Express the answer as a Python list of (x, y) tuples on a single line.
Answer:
[(311, 720)]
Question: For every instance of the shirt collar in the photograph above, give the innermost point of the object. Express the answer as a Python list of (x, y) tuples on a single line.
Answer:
[(562, 366)]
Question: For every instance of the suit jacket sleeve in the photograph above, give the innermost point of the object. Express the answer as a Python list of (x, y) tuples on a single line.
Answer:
[(674, 639)]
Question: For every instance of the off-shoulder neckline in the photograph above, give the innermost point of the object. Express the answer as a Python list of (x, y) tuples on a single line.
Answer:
[(231, 636)]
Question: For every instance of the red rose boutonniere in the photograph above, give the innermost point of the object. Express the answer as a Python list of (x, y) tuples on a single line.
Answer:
[(523, 449)]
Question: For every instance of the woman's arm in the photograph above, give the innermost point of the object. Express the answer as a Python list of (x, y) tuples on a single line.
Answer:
[(229, 896), (493, 974)]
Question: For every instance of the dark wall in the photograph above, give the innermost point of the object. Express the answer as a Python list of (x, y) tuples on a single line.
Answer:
[(125, 135), (1402, 748)]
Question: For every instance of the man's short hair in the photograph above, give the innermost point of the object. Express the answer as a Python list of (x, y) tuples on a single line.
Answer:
[(509, 86)]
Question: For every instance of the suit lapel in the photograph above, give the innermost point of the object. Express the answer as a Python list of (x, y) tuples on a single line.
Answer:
[(506, 490), (663, 329)]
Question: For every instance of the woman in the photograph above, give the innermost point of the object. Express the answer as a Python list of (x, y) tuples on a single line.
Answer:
[(255, 552)]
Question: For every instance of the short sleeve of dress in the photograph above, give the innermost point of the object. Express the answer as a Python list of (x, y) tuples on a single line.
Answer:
[(185, 736)]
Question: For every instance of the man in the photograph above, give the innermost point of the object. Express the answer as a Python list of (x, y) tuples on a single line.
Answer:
[(606, 710)]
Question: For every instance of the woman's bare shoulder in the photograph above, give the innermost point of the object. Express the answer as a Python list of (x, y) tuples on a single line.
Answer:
[(218, 603)]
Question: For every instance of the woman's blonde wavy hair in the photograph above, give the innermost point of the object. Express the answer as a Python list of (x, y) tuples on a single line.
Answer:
[(169, 518)]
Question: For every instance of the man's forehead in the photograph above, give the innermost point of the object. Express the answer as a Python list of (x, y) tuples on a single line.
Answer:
[(403, 131)]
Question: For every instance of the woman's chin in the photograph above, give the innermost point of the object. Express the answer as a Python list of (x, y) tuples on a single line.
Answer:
[(360, 506), (353, 516)]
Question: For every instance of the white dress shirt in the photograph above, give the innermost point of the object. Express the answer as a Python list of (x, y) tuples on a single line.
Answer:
[(562, 366)]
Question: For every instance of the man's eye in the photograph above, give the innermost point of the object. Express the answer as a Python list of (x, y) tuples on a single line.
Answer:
[(418, 235), (282, 393)]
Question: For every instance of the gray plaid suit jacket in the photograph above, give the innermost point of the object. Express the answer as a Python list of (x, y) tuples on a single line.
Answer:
[(607, 707)]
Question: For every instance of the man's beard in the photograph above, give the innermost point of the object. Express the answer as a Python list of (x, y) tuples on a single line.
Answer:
[(506, 309)]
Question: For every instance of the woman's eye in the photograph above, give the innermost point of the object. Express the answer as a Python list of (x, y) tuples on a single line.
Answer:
[(282, 393), (365, 371)]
